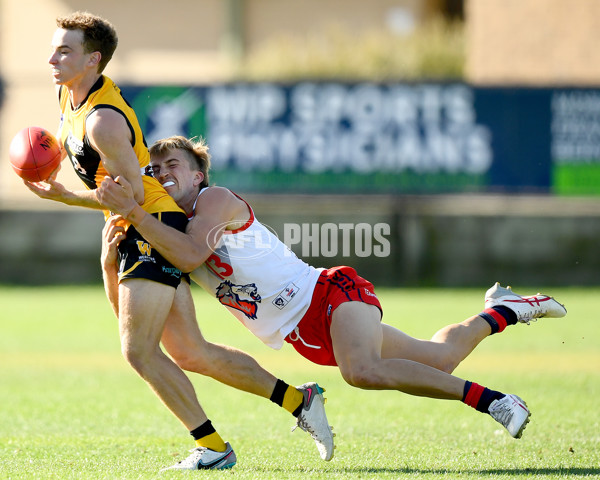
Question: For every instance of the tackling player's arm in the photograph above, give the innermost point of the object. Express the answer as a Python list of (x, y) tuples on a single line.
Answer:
[(217, 210)]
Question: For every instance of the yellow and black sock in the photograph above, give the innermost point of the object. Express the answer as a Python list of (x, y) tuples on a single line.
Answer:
[(288, 397), (206, 436)]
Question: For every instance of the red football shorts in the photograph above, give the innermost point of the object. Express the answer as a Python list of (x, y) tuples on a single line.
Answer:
[(311, 337)]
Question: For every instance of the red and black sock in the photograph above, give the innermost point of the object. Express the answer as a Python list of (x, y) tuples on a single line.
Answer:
[(479, 397), (499, 317)]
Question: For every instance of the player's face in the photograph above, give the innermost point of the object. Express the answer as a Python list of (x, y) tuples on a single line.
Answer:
[(68, 60), (173, 171)]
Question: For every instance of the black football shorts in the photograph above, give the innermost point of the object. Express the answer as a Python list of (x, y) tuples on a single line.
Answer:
[(138, 259)]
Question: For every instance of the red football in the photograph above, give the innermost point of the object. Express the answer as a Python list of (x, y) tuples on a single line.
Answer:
[(34, 154)]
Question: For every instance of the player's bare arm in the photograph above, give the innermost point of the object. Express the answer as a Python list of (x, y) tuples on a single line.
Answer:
[(217, 210), (110, 136)]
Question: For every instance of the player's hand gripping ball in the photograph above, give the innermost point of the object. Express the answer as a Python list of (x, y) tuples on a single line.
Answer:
[(34, 154)]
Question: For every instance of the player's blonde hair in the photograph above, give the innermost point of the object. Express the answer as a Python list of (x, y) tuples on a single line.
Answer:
[(98, 34), (196, 148)]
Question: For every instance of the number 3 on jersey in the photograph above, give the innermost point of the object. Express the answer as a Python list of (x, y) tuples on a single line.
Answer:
[(220, 268)]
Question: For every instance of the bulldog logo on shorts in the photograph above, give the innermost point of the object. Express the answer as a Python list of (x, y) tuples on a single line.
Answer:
[(244, 298)]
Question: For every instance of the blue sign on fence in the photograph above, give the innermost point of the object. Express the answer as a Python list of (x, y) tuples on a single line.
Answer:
[(371, 138)]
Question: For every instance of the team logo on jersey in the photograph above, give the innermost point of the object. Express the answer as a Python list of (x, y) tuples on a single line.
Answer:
[(285, 296), (244, 298)]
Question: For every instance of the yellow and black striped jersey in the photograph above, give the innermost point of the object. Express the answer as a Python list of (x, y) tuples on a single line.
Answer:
[(86, 161)]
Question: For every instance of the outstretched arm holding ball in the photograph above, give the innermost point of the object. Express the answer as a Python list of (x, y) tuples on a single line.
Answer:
[(37, 162), (35, 155)]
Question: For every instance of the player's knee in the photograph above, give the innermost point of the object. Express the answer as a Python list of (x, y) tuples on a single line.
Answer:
[(191, 363), (447, 362), (447, 366), (192, 355), (136, 357), (361, 377), (180, 358)]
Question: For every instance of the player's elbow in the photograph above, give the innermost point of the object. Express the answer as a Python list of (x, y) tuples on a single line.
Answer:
[(193, 259), (187, 266), (187, 255)]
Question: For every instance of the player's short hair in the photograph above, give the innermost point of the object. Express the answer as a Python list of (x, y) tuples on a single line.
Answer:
[(196, 148), (99, 35)]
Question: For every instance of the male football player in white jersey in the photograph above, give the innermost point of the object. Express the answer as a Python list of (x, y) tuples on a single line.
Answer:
[(330, 316)]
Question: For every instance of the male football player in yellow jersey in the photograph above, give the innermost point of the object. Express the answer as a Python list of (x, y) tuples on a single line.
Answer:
[(100, 134)]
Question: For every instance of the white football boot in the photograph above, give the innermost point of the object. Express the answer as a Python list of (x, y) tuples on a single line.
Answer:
[(313, 419), (512, 413), (202, 458), (526, 308)]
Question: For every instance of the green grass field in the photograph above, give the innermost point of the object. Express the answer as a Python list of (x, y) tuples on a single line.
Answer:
[(72, 409)]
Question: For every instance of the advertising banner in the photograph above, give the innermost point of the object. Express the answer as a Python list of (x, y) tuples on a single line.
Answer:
[(384, 138), (575, 126)]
